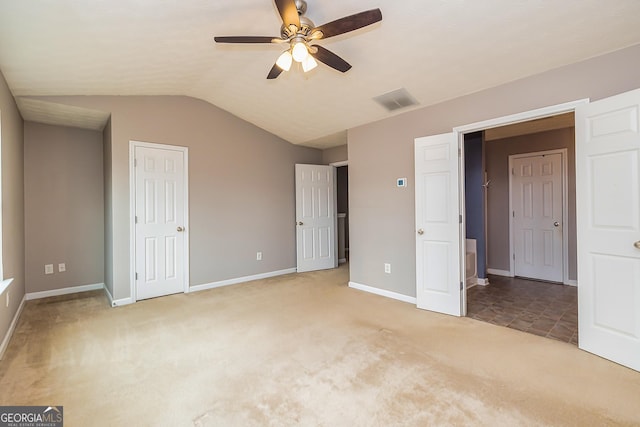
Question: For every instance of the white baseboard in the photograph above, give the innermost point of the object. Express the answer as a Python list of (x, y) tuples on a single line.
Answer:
[(342, 261), (497, 272), (63, 291), (237, 280), (482, 282), (122, 301), (12, 327), (382, 292), (109, 296), (117, 302)]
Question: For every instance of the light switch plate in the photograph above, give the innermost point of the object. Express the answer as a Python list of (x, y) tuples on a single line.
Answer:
[(48, 269)]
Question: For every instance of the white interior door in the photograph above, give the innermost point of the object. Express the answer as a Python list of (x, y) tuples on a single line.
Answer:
[(160, 222), (537, 216), (608, 225), (316, 227), (438, 259)]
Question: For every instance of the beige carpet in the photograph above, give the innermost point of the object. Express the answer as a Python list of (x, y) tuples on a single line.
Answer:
[(300, 350)]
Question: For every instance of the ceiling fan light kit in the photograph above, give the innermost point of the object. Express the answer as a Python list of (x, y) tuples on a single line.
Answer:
[(299, 32), (309, 64), (285, 60)]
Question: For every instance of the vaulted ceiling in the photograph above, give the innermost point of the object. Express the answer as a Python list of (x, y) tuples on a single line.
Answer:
[(435, 49)]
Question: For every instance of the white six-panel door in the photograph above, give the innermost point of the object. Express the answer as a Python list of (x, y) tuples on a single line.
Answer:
[(438, 282), (608, 226), (160, 221), (316, 232), (537, 217)]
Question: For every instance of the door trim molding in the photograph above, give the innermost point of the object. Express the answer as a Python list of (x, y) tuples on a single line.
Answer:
[(340, 163), (524, 116), (565, 209), (132, 211)]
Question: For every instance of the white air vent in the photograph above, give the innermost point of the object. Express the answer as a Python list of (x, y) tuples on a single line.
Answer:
[(396, 99)]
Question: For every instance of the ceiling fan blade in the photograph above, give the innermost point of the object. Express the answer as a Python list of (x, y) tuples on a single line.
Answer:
[(349, 23), (288, 12), (275, 72), (331, 59), (245, 39)]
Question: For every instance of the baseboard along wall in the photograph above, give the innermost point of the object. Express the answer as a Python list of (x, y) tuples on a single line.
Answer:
[(12, 327), (64, 291), (213, 285), (505, 273), (382, 292)]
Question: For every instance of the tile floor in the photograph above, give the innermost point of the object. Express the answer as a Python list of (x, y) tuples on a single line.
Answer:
[(546, 309)]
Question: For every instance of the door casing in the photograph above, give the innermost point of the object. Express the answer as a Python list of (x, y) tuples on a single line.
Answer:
[(132, 211), (553, 110), (460, 131)]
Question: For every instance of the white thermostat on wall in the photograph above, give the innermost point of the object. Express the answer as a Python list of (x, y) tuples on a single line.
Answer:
[(401, 182)]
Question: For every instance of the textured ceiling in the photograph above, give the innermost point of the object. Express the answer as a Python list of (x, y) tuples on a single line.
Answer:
[(436, 49)]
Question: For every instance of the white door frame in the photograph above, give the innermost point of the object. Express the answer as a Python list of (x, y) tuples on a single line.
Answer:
[(460, 131), (132, 211), (565, 210)]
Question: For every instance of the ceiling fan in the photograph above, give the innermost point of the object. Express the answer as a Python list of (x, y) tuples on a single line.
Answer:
[(300, 33)]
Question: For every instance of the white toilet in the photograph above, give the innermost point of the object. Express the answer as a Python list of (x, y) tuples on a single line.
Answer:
[(471, 263)]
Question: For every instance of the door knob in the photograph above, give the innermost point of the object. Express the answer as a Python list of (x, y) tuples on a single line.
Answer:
[(421, 231), (180, 228), (556, 224), (637, 244), (301, 223)]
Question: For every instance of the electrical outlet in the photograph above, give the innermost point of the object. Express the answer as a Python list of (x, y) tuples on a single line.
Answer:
[(62, 267), (387, 268), (259, 256), (48, 269)]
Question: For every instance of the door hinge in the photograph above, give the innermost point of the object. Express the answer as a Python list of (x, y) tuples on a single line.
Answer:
[(460, 219), (514, 256), (461, 286), (136, 219), (136, 276), (513, 214), (135, 162), (459, 152)]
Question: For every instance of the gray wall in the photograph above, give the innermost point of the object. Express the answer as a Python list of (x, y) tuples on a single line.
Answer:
[(12, 205), (383, 217), (64, 206), (241, 184), (334, 154), (497, 165), (474, 197)]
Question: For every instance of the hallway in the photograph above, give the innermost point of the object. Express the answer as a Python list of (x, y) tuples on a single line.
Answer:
[(541, 308)]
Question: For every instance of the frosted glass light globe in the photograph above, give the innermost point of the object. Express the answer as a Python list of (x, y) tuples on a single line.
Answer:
[(300, 52)]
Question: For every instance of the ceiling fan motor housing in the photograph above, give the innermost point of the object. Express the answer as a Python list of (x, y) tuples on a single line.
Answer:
[(306, 25)]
